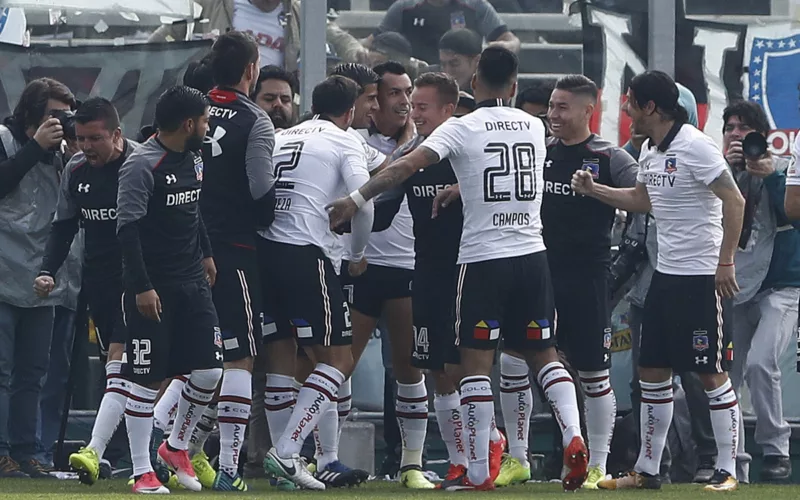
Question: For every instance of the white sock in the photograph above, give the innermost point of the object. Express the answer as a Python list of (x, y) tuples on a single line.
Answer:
[(656, 417), (166, 406), (344, 404), (559, 389), (203, 429), (477, 407), (601, 410), (451, 426), (725, 421), (139, 421), (321, 387), (196, 395), (411, 408), (326, 436), (516, 401), (279, 399), (112, 408), (234, 414)]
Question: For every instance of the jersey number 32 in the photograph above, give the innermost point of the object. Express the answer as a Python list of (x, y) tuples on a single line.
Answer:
[(518, 160)]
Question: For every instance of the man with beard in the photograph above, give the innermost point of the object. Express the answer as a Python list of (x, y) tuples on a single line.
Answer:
[(274, 93), (88, 198), (168, 272), (698, 209), (577, 232), (238, 199)]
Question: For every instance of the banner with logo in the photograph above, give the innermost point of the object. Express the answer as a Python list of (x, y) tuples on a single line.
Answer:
[(131, 76), (709, 61)]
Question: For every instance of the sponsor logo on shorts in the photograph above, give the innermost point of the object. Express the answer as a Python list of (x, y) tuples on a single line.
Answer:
[(700, 340), (538, 330), (487, 330), (230, 344), (301, 329), (701, 360), (218, 337), (268, 326), (729, 352)]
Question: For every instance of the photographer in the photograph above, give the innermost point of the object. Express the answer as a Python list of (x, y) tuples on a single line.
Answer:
[(29, 179), (768, 273)]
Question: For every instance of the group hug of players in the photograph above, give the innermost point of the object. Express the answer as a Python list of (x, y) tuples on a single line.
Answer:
[(219, 237)]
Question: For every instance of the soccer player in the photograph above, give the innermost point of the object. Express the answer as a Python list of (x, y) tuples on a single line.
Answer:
[(237, 200), (503, 286), (315, 162), (577, 232), (684, 181), (168, 272), (88, 199), (385, 288), (433, 101)]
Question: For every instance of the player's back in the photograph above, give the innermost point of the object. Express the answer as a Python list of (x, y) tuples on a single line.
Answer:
[(311, 160), (236, 128), (497, 154)]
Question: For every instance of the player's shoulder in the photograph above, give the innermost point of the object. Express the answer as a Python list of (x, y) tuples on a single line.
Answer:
[(472, 4), (605, 147), (148, 155), (692, 142), (76, 164), (408, 4)]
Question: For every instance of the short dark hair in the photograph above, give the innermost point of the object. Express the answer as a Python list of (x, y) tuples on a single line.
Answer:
[(578, 84), (498, 67), (660, 88), (230, 55), (462, 41), (538, 93), (199, 75), (392, 67), (32, 104), (177, 104), (359, 73), (446, 86), (334, 96), (272, 72), (98, 109), (751, 113)]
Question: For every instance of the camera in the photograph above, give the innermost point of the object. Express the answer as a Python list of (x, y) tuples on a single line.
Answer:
[(754, 145), (625, 263), (67, 119)]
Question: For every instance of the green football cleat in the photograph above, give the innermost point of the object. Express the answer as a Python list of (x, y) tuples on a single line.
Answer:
[(512, 471), (203, 470), (87, 463)]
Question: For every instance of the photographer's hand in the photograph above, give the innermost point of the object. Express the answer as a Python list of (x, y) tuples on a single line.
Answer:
[(735, 154), (762, 167), (49, 134)]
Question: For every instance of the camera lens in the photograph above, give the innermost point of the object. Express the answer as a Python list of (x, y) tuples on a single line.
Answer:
[(754, 145)]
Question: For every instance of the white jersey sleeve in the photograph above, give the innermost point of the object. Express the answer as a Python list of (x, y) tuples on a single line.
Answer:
[(706, 160), (355, 174), (793, 172), (374, 157), (448, 139)]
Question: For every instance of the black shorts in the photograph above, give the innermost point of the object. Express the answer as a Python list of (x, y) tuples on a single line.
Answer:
[(105, 308), (432, 300), (188, 337), (367, 293), (685, 325), (303, 297), (583, 315), (512, 297), (237, 298)]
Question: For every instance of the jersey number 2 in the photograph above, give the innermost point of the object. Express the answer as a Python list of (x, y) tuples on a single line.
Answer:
[(296, 148), (519, 156)]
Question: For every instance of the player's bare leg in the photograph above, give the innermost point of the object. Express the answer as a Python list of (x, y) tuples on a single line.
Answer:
[(559, 389)]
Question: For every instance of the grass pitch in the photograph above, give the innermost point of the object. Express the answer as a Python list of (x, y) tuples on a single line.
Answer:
[(378, 490)]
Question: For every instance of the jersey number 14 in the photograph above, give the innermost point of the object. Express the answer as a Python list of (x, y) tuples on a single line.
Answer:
[(519, 157)]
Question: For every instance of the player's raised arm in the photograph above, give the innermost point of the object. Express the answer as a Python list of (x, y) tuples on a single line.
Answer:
[(633, 199)]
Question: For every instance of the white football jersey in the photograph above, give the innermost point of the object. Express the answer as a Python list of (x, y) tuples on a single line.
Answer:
[(497, 154), (374, 160), (687, 213), (315, 162), (394, 246), (793, 172)]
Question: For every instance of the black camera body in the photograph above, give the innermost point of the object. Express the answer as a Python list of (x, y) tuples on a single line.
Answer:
[(67, 119)]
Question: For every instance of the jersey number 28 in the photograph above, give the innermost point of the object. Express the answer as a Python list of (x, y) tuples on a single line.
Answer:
[(519, 157)]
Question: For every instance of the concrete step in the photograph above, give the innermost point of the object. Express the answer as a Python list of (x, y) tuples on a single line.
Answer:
[(551, 58)]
